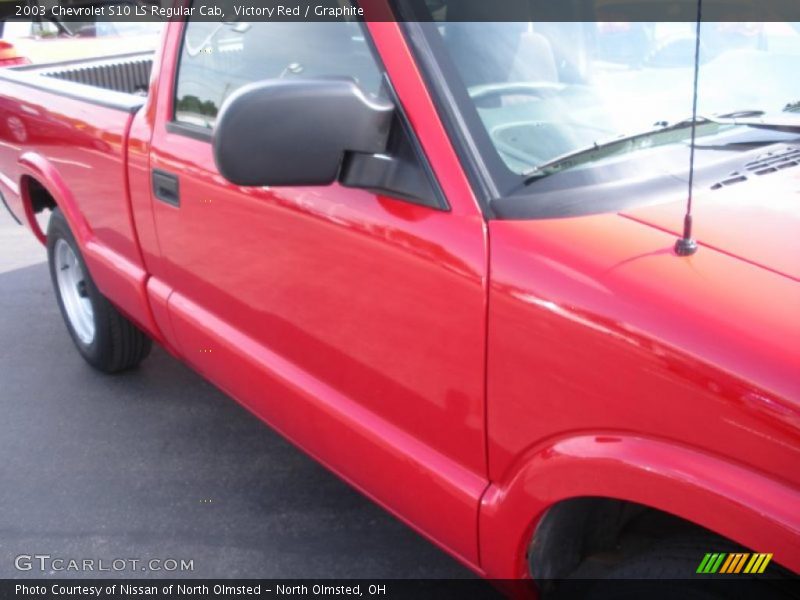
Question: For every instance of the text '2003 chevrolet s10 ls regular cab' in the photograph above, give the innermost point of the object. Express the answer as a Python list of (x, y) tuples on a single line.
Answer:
[(440, 257)]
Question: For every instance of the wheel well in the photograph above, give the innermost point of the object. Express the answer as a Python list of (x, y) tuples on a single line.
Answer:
[(39, 203), (40, 198), (603, 529)]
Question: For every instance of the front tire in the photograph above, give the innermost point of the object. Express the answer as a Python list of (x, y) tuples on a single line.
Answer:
[(105, 338)]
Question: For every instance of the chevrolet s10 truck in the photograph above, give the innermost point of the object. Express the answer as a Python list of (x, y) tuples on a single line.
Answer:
[(439, 255)]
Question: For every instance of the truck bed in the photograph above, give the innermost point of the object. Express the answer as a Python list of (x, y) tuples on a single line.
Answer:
[(117, 82), (129, 75), (63, 123)]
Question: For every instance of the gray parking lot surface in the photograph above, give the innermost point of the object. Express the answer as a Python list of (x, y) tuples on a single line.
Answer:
[(159, 464)]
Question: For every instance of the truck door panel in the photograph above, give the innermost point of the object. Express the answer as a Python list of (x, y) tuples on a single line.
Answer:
[(351, 321)]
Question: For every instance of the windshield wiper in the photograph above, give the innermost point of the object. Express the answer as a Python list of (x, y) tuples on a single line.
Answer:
[(744, 118), (753, 118)]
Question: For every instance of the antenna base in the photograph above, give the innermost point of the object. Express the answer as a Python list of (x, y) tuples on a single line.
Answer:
[(685, 247)]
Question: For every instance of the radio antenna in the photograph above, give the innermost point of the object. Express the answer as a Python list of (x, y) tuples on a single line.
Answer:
[(686, 245)]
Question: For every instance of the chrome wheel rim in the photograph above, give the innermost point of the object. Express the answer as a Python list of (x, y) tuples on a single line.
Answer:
[(72, 287)]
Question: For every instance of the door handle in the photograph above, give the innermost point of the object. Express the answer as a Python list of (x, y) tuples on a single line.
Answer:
[(166, 187)]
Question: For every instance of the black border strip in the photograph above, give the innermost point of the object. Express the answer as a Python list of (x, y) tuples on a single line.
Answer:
[(475, 11), (194, 132)]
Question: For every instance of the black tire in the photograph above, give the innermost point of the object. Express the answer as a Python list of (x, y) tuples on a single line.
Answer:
[(117, 344)]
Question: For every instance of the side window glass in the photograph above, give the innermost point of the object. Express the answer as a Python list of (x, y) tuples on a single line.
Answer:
[(218, 58)]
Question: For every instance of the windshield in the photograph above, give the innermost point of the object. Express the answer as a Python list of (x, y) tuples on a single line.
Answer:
[(540, 91)]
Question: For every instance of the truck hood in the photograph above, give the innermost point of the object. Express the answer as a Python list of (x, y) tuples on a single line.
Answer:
[(754, 217)]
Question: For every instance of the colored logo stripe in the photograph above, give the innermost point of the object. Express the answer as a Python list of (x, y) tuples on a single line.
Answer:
[(734, 563), (721, 562), (758, 563), (731, 560), (741, 563), (711, 563), (704, 564)]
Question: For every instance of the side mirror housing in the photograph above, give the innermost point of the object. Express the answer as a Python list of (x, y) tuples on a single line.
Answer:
[(297, 132)]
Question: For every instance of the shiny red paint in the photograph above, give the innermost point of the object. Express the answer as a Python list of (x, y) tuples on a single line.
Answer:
[(642, 376), (697, 486), (365, 334), (757, 223), (466, 374), (61, 150)]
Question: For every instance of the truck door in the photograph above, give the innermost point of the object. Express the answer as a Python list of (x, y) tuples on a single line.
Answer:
[(350, 320)]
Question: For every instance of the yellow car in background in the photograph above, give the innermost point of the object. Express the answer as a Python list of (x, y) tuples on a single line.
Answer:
[(47, 41)]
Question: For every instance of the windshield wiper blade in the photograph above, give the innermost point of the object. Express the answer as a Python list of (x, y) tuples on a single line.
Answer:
[(744, 118), (755, 119), (575, 157)]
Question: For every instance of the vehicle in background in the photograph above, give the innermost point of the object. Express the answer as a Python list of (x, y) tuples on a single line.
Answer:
[(51, 40), (9, 56)]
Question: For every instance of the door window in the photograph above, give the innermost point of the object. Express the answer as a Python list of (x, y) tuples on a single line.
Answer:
[(218, 58)]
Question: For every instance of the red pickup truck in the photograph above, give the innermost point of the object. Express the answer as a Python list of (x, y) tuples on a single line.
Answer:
[(422, 252)]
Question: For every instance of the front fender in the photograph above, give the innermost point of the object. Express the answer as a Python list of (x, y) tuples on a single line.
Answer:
[(736, 502)]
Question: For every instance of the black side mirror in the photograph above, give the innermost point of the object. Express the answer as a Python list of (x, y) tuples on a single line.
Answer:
[(297, 133)]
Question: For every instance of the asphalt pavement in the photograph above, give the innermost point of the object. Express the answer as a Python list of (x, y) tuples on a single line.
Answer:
[(158, 464)]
